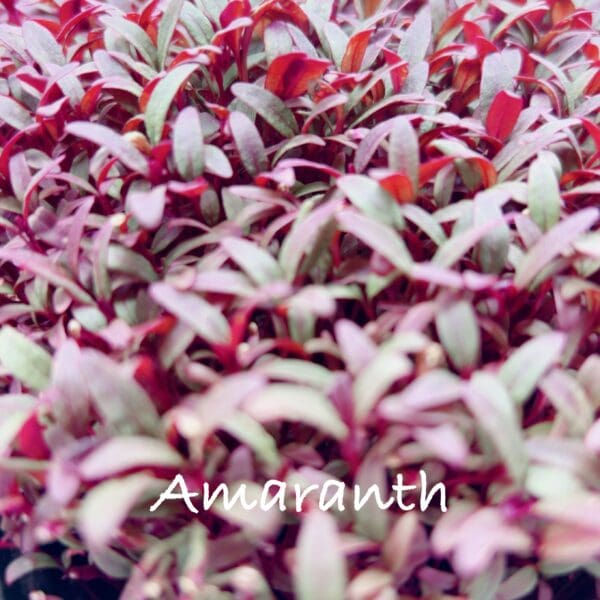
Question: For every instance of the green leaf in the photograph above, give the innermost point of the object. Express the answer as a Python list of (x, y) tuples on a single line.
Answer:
[(41, 45), (374, 380), (416, 39), (492, 249), (196, 23), (319, 574), (295, 142), (120, 400), (433, 389), (24, 359), (45, 269), (255, 436), (270, 107), (248, 143), (336, 41), (570, 399), (552, 243), (318, 11), (403, 151), (135, 35), (256, 262), (123, 453), (297, 371), (216, 162), (106, 506), (162, 97), (371, 521), (520, 150), (370, 198), (204, 318), (255, 523), (520, 584), (14, 114), (283, 401), (424, 220), (188, 143), (310, 235), (277, 41), (15, 410), (459, 244), (498, 72), (495, 412), (27, 563), (125, 260), (90, 317), (100, 277), (543, 194), (377, 236), (521, 372), (116, 144), (111, 562), (166, 28), (212, 8), (459, 333)]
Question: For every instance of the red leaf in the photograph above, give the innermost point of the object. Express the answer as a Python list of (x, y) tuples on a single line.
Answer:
[(234, 10), (309, 164), (399, 186), (593, 301), (290, 75), (30, 440), (484, 47), (36, 180), (36, 81), (430, 169), (67, 10), (147, 374), (591, 51), (133, 124), (593, 130), (190, 55), (90, 99), (71, 25), (546, 87), (561, 10), (355, 51), (593, 87), (530, 12), (191, 189), (279, 10), (232, 21), (454, 19), (51, 26), (475, 36), (370, 7), (471, 31), (146, 14), (13, 14), (399, 72), (147, 92), (503, 114), (466, 74)]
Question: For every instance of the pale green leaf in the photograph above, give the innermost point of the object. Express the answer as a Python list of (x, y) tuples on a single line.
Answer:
[(24, 359), (162, 97), (270, 107), (166, 28)]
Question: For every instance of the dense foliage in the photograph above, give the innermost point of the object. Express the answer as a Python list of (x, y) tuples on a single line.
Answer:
[(301, 240)]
